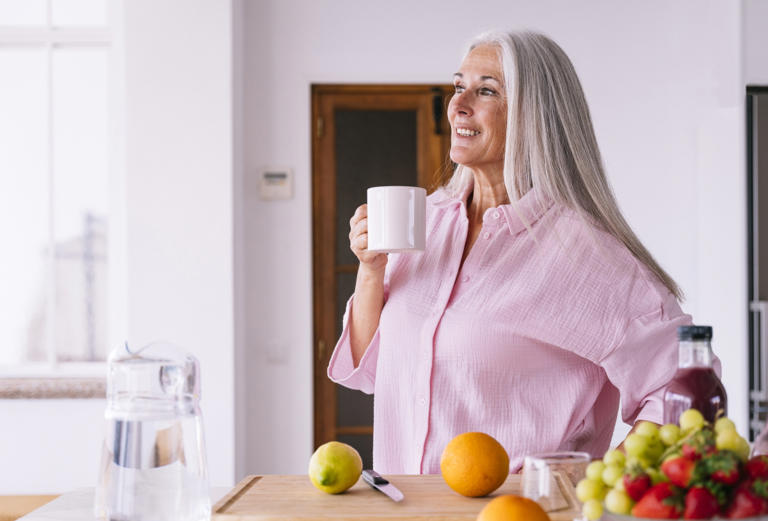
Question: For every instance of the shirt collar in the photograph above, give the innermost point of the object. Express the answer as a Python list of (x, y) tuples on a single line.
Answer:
[(525, 211)]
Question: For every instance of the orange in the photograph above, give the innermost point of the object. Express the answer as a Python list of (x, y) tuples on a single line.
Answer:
[(512, 508), (474, 464)]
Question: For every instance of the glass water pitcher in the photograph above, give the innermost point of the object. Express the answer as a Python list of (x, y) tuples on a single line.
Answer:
[(153, 465)]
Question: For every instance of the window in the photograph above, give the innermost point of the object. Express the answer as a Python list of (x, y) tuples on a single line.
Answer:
[(54, 184)]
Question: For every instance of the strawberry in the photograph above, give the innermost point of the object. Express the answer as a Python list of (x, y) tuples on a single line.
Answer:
[(679, 470), (700, 504), (757, 467), (698, 444), (750, 499), (723, 467), (636, 482), (662, 501)]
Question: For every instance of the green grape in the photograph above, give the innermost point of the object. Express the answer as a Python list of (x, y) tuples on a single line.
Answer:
[(656, 475), (655, 450), (618, 502), (592, 510), (728, 439), (743, 450), (612, 474), (588, 489), (614, 457), (641, 461), (691, 420), (619, 485), (595, 470), (647, 429), (669, 434), (636, 445), (723, 424)]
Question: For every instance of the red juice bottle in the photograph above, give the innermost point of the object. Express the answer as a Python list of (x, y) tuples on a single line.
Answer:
[(695, 384)]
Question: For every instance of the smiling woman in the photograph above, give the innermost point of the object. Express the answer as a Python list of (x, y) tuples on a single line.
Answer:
[(533, 304)]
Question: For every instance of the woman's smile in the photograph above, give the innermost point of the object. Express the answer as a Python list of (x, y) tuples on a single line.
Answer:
[(467, 132)]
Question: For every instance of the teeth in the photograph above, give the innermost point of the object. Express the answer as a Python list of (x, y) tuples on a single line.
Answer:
[(467, 132)]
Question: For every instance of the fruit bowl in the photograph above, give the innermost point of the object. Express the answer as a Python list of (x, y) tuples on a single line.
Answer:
[(616, 517)]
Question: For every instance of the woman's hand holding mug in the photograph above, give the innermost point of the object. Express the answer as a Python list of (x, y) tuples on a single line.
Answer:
[(358, 242)]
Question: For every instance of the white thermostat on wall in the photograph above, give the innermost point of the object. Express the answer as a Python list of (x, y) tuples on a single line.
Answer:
[(276, 184)]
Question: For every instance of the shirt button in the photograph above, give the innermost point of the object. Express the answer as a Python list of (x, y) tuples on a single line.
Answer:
[(465, 278), (496, 214), (422, 402), (487, 235)]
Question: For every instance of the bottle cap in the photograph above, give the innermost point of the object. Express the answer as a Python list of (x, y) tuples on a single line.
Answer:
[(694, 333)]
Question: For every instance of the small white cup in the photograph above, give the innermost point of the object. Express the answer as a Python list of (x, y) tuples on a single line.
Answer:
[(397, 219)]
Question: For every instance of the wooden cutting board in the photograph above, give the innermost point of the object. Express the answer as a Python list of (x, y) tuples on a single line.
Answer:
[(427, 498)]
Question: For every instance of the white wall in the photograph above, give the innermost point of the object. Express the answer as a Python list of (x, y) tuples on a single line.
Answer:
[(666, 98), (177, 163), (756, 42), (179, 203)]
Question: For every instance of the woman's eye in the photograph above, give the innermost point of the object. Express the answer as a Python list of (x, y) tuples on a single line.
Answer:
[(458, 88), (485, 91)]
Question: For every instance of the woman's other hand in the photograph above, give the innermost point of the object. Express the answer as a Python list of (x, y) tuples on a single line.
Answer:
[(358, 242)]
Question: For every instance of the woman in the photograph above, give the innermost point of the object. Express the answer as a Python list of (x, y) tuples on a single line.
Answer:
[(534, 307)]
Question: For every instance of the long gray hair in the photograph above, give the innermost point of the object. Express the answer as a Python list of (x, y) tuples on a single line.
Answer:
[(550, 141)]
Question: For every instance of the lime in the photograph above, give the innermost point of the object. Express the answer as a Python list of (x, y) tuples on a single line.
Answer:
[(334, 467)]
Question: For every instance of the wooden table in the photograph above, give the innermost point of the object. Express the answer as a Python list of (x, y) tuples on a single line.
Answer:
[(427, 498), (278, 498)]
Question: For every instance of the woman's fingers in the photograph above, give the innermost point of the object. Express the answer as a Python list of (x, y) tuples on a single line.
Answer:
[(359, 228), (361, 242), (361, 212), (358, 238)]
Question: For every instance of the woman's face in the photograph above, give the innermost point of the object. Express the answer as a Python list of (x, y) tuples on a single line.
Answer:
[(477, 111)]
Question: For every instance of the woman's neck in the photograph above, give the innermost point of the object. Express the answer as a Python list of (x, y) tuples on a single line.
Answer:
[(489, 191)]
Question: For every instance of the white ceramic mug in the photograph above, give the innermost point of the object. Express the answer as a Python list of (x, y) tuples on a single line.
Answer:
[(397, 218)]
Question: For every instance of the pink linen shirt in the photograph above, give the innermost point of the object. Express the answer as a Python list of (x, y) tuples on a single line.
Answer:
[(533, 340)]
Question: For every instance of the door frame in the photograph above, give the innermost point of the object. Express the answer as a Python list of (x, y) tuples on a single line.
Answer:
[(432, 164)]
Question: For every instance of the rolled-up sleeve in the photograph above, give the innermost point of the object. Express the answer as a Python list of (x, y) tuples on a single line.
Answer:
[(341, 368), (645, 360)]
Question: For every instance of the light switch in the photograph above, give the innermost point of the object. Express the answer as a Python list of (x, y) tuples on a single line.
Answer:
[(275, 184)]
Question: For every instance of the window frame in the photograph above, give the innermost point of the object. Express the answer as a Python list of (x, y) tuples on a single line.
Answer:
[(64, 379)]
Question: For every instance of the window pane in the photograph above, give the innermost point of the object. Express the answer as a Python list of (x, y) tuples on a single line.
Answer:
[(23, 204), (78, 12), (22, 12), (81, 199)]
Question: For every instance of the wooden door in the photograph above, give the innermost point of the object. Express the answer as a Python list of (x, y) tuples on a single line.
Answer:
[(363, 135)]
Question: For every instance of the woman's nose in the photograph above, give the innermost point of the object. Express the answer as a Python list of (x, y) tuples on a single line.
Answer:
[(462, 104)]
